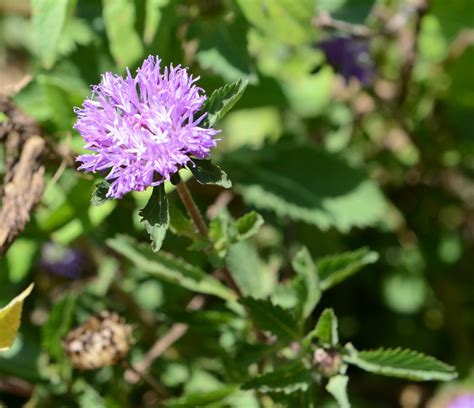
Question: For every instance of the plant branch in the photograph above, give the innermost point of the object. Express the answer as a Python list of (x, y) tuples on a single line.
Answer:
[(192, 209), (325, 21), (201, 226), (155, 385), (412, 54)]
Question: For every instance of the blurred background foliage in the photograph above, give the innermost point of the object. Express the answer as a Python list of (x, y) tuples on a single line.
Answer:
[(356, 130)]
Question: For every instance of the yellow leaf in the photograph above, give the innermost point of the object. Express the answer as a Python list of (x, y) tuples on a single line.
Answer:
[(10, 318)]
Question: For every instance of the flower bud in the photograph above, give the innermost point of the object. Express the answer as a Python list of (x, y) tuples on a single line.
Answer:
[(328, 361)]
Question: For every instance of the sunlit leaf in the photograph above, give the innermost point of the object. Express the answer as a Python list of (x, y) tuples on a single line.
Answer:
[(333, 269), (10, 319), (169, 268), (337, 387), (306, 184), (221, 101), (125, 43), (402, 363), (326, 330), (245, 267), (306, 281), (48, 21)]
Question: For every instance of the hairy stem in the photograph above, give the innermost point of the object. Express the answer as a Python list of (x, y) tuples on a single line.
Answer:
[(192, 209), (201, 226)]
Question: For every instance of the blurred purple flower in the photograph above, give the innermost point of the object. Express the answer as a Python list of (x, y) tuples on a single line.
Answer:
[(143, 128), (63, 262), (462, 401), (349, 57)]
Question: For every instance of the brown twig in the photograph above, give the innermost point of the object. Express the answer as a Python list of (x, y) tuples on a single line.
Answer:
[(155, 385), (24, 172), (16, 386), (176, 331), (325, 21), (412, 53)]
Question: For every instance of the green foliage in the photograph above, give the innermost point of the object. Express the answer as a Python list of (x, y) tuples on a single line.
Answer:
[(59, 322), (99, 196), (272, 318), (119, 20), (248, 225), (369, 147), (202, 399), (289, 22), (325, 331), (287, 179), (354, 11), (245, 267), (306, 282), (49, 21), (221, 101), (287, 379), (337, 387), (206, 172), (169, 268), (334, 269), (401, 363), (155, 216)]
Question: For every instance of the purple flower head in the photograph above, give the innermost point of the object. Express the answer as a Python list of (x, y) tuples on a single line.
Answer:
[(349, 57), (462, 401), (143, 129), (63, 262)]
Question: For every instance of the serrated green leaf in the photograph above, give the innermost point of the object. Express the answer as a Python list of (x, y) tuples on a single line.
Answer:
[(119, 20), (206, 172), (325, 330), (286, 379), (248, 225), (222, 101), (306, 184), (307, 281), (48, 22), (272, 318), (333, 269), (59, 322), (402, 363), (244, 265), (202, 399), (10, 319), (99, 195), (337, 387), (155, 215), (168, 268)]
